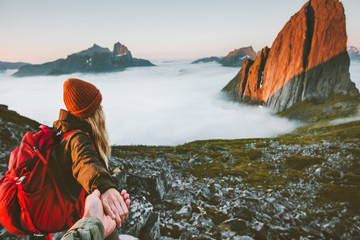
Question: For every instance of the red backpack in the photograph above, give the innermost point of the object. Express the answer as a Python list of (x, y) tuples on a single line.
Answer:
[(30, 199)]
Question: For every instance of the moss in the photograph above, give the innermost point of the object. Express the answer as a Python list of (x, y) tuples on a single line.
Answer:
[(140, 151), (338, 106), (346, 132), (246, 154), (300, 162), (12, 116), (260, 174), (294, 175), (211, 170), (340, 193), (173, 159), (354, 151)]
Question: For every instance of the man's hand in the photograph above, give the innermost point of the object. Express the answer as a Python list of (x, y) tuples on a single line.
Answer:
[(94, 208), (115, 206)]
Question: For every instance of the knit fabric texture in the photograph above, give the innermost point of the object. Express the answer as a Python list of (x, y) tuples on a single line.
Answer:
[(81, 98)]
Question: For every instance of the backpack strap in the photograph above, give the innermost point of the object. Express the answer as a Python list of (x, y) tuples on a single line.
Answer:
[(65, 135)]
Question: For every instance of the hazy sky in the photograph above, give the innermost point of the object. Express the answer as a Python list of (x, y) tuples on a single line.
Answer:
[(37, 31)]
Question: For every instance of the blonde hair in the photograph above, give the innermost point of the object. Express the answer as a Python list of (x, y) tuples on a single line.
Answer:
[(97, 123)]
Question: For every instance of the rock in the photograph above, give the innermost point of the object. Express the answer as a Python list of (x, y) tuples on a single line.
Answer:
[(307, 61), (237, 225), (242, 212), (333, 228), (139, 213), (184, 213), (242, 238), (216, 215), (127, 237), (5, 235), (152, 186), (204, 193), (236, 57), (171, 230), (151, 230), (120, 180)]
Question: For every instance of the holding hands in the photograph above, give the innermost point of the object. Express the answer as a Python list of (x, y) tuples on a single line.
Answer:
[(116, 203)]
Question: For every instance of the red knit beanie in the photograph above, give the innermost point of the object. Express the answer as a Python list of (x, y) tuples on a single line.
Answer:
[(81, 98)]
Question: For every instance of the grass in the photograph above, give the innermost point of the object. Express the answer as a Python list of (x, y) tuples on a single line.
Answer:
[(338, 106), (299, 162)]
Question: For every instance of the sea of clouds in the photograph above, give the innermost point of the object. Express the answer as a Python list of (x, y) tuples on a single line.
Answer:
[(172, 103)]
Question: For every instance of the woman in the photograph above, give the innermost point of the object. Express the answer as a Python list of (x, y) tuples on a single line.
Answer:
[(82, 156)]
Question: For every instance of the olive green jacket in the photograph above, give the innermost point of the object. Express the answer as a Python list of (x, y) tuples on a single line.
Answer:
[(78, 164), (85, 229)]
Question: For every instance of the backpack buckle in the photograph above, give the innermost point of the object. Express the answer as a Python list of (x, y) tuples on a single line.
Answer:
[(20, 180), (38, 235)]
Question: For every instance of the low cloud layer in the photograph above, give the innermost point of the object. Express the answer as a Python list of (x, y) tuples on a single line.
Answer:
[(355, 73), (170, 104)]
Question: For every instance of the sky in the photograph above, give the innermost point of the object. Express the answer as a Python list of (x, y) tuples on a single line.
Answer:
[(38, 31)]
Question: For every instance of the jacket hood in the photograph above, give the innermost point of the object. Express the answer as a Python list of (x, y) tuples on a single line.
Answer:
[(68, 122)]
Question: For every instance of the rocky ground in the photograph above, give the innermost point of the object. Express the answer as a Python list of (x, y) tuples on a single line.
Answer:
[(303, 185)]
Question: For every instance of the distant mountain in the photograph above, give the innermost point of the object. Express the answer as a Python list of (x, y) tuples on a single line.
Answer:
[(354, 53), (11, 65), (234, 58), (308, 61), (92, 60), (208, 59), (238, 56)]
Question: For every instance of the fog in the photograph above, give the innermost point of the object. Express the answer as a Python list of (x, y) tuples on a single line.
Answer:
[(170, 104), (355, 73)]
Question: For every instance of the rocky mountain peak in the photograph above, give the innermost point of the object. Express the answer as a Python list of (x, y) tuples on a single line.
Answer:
[(307, 61), (354, 53), (119, 49), (242, 52), (94, 49), (353, 50), (238, 56)]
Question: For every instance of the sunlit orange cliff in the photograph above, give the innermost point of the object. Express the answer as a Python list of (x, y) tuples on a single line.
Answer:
[(307, 61)]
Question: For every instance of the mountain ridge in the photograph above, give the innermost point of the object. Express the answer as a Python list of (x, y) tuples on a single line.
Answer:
[(95, 59), (234, 58)]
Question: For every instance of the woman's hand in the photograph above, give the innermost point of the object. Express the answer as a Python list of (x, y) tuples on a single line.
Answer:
[(115, 206), (126, 198), (94, 208)]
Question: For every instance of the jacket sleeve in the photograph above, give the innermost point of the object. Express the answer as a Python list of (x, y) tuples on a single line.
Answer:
[(84, 229), (87, 167)]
